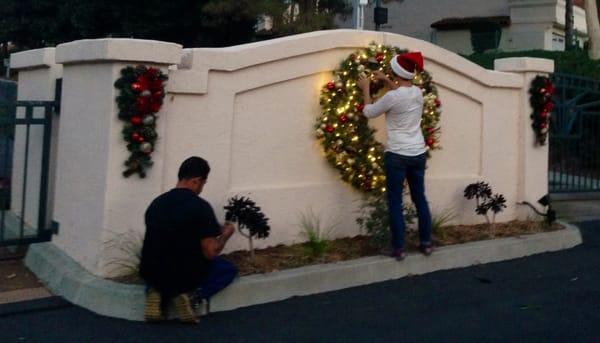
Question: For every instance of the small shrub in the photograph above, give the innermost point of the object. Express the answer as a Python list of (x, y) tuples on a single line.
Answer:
[(316, 234), (374, 218), (123, 251), (482, 193), (251, 222), (441, 221)]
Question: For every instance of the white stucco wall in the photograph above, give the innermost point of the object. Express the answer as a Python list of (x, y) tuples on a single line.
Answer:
[(249, 110)]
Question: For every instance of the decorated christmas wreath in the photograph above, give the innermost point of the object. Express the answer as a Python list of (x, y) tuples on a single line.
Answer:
[(541, 92), (348, 141), (141, 93)]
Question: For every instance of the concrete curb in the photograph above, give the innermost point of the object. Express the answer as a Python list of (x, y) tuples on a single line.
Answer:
[(68, 279)]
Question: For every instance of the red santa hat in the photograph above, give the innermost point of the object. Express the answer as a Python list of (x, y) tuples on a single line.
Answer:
[(405, 65)]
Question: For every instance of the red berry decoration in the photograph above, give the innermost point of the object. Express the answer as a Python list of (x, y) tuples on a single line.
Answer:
[(379, 57), (136, 120), (155, 107), (140, 97), (330, 85), (541, 102), (142, 104)]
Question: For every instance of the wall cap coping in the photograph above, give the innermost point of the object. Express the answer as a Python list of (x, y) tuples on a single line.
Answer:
[(118, 49), (32, 59), (197, 62), (524, 64)]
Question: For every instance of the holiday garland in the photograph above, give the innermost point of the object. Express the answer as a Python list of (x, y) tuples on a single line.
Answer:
[(141, 93), (348, 141), (541, 92)]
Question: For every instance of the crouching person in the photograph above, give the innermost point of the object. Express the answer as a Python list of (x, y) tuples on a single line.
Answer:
[(180, 257)]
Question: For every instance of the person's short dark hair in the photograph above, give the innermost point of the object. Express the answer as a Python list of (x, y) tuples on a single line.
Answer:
[(193, 167)]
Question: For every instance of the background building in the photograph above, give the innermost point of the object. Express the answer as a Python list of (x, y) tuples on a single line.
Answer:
[(507, 25)]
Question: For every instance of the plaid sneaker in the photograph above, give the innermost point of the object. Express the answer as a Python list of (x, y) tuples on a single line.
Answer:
[(183, 307), (152, 308)]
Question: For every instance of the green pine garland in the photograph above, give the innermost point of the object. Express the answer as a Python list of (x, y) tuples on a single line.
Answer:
[(541, 92), (141, 93), (347, 139)]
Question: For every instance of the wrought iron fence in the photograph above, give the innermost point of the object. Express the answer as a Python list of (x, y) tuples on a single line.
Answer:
[(574, 159)]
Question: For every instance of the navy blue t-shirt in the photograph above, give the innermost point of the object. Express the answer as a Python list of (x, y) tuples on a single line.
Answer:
[(176, 222)]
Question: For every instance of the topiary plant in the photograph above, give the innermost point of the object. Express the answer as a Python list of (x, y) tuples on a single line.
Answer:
[(251, 222), (482, 192)]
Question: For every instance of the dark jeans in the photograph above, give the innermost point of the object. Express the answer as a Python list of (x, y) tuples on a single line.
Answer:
[(411, 168), (220, 275)]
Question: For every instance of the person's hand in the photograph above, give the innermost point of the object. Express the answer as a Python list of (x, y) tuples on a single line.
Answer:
[(228, 229), (363, 83), (379, 75)]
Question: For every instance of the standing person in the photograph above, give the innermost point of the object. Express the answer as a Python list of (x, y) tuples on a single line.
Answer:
[(405, 154), (181, 246)]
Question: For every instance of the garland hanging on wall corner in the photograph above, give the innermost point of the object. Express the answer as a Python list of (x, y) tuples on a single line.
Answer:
[(541, 92), (141, 93)]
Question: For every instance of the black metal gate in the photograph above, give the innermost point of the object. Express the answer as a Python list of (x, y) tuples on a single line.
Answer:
[(25, 139), (574, 159)]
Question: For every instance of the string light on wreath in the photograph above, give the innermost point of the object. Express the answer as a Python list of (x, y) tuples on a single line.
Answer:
[(348, 141), (541, 92), (141, 93)]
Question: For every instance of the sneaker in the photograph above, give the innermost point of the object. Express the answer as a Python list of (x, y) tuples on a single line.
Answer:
[(183, 307), (399, 254), (426, 249), (152, 309)]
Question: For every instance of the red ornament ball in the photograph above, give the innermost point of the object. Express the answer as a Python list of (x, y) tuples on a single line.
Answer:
[(343, 118), (438, 103), (360, 107), (430, 142), (544, 125), (379, 57), (329, 128), (137, 120), (142, 104), (155, 107), (544, 114), (330, 85), (136, 136)]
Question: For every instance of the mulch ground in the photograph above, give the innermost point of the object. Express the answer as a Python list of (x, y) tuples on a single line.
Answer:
[(282, 257), (285, 257)]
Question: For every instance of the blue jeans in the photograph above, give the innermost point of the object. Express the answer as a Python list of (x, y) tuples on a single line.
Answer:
[(397, 168), (220, 274)]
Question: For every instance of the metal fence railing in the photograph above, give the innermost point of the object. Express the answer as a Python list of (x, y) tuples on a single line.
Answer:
[(574, 161)]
